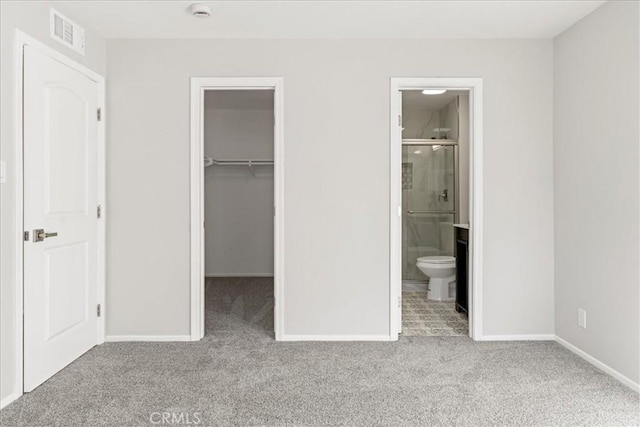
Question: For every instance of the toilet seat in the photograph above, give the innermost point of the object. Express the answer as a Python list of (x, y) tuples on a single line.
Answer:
[(437, 260)]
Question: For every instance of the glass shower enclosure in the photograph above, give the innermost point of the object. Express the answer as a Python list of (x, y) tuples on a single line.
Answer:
[(429, 202)]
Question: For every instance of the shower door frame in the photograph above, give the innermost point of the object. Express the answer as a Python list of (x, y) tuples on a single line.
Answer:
[(456, 165), (474, 86)]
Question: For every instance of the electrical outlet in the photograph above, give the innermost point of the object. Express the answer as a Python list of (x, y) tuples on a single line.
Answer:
[(582, 318)]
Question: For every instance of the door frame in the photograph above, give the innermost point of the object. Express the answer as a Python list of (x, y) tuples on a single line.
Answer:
[(22, 40), (199, 85), (474, 86)]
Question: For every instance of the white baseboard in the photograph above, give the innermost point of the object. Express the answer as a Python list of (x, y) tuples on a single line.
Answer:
[(336, 338), (239, 275), (598, 364), (147, 338), (9, 399), (533, 337)]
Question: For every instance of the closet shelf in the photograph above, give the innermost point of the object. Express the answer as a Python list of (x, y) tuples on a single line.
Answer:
[(209, 161)]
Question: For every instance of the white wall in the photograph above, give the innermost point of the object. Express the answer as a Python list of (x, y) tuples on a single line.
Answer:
[(596, 185), (33, 19), (336, 172), (238, 204)]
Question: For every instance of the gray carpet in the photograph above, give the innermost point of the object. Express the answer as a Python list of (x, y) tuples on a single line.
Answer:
[(238, 375)]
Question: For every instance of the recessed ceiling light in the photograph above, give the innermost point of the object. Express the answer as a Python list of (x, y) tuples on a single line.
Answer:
[(433, 91), (200, 10)]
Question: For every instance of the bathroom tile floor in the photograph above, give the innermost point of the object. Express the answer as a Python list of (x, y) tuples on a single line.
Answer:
[(422, 317)]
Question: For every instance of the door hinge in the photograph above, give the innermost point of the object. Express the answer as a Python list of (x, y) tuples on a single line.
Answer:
[(26, 236), (98, 311), (99, 114), (399, 120), (399, 302), (99, 211)]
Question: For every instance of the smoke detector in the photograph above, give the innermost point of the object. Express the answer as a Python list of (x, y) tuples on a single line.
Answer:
[(200, 10)]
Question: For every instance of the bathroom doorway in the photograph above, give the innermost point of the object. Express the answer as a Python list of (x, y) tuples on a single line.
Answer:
[(433, 206), (236, 207), (432, 143)]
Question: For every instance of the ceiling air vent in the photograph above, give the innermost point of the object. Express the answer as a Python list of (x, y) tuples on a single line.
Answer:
[(67, 32)]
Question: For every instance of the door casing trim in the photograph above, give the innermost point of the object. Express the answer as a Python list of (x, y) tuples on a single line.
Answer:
[(474, 86), (199, 85), (22, 40)]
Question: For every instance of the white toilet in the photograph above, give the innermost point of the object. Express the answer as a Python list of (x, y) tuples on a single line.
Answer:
[(441, 271)]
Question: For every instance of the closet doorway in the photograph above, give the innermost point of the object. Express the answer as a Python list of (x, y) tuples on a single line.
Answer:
[(236, 207)]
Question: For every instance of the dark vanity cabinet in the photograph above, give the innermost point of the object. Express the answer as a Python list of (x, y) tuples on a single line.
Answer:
[(462, 265)]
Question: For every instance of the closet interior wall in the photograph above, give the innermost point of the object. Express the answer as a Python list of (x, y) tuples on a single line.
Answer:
[(238, 124)]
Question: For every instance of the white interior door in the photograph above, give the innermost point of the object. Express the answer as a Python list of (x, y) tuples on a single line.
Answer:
[(60, 198)]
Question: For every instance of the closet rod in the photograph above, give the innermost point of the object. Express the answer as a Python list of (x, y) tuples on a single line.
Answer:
[(208, 161)]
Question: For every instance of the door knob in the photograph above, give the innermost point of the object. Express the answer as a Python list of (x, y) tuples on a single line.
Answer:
[(39, 235)]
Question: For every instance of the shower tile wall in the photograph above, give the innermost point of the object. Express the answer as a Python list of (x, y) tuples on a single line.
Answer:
[(407, 176), (419, 124), (449, 119), (438, 124)]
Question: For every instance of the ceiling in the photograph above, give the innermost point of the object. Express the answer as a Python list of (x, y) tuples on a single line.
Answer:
[(415, 100), (244, 19)]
